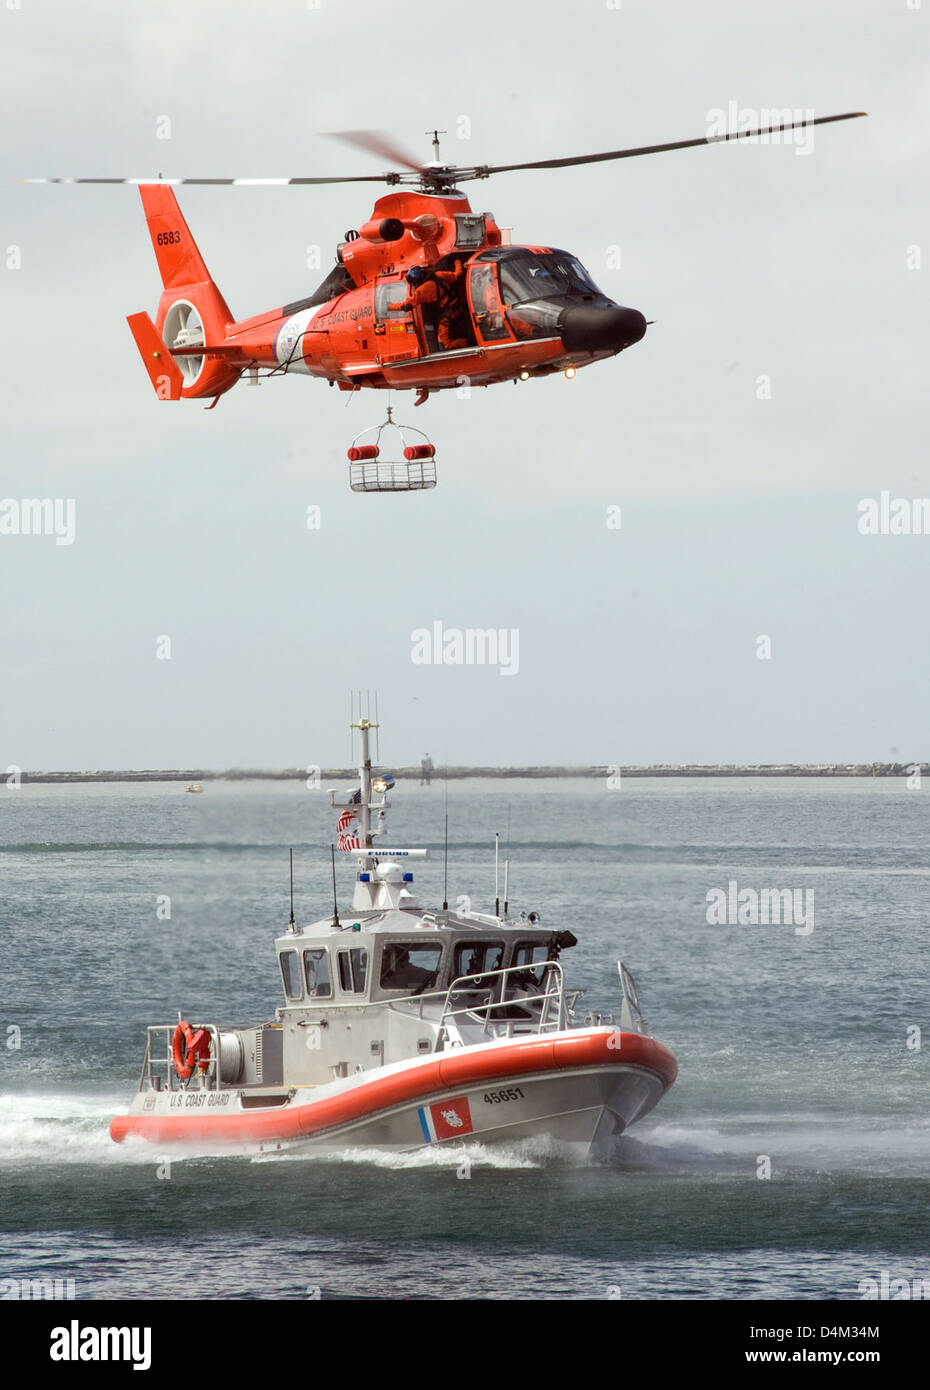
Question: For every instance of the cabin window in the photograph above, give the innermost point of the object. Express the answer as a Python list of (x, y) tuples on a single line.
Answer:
[(290, 973), (473, 957), (410, 966), (388, 293), (316, 970), (353, 970)]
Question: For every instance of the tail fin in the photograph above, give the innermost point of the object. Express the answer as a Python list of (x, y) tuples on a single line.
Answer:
[(175, 249), (191, 313), (164, 373)]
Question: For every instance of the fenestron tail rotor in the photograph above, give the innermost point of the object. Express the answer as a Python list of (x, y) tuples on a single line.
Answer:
[(183, 328), (435, 177)]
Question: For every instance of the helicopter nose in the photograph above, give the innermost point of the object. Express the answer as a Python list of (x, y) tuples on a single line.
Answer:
[(593, 328)]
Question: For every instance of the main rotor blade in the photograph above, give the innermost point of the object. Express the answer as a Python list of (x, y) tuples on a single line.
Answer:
[(487, 169), (449, 175), (216, 183), (377, 143)]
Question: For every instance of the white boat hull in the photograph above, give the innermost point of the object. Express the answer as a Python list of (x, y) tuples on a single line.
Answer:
[(580, 1086)]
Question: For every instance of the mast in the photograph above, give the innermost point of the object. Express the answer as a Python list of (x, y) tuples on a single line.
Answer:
[(382, 875), (364, 774)]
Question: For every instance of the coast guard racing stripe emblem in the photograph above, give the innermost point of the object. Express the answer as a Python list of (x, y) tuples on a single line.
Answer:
[(447, 1120)]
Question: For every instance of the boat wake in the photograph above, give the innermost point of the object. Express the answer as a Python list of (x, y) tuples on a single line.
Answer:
[(45, 1129), (538, 1152), (792, 1143)]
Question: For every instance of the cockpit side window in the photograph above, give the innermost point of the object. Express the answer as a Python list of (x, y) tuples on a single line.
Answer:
[(486, 302)]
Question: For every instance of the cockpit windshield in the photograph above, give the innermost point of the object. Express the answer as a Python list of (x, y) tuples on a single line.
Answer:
[(547, 275)]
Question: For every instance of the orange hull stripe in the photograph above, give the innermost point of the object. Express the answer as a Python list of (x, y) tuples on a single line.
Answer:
[(449, 1071)]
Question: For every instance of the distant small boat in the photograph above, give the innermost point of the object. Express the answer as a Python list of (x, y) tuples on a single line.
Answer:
[(194, 787)]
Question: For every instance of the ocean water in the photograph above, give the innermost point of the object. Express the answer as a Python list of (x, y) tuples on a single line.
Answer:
[(791, 1160)]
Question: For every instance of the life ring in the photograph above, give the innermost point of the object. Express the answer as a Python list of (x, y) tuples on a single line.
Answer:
[(189, 1049)]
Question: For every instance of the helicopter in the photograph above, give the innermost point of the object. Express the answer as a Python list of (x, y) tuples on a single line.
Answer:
[(426, 295)]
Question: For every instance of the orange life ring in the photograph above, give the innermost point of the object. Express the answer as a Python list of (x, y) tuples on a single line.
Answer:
[(189, 1049)]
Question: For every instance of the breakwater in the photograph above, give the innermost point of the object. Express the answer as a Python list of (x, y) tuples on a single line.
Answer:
[(343, 774)]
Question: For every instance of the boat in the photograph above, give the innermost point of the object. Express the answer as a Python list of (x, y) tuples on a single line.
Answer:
[(405, 1027), (194, 787)]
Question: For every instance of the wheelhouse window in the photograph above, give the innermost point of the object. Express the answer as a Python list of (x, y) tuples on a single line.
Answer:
[(316, 972), (530, 953), (474, 957), (353, 970), (411, 966), (290, 973)]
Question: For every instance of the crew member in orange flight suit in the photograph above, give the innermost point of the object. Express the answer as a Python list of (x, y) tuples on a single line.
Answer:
[(438, 287)]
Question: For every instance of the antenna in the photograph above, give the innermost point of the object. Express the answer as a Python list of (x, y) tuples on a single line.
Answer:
[(497, 874), (445, 867), (506, 883), (291, 923), (336, 922), (445, 870)]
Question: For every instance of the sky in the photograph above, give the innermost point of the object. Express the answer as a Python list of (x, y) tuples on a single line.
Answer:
[(670, 542)]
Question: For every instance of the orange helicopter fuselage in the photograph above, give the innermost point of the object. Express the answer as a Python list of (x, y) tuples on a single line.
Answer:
[(496, 322)]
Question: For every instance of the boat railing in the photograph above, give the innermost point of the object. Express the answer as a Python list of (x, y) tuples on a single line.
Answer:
[(158, 1069), (553, 1010), (631, 1015)]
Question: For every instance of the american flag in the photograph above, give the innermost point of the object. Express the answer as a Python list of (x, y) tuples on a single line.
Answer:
[(346, 839)]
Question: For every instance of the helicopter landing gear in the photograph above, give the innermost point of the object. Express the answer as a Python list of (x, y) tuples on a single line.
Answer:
[(402, 465)]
